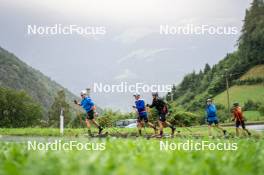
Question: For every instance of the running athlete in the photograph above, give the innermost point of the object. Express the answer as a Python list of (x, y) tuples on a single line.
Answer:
[(88, 105), (142, 114), (162, 109)]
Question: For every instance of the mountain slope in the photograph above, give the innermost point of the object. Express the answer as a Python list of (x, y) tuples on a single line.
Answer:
[(17, 75), (254, 72), (242, 94)]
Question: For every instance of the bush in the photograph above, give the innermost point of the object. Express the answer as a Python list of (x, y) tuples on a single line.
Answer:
[(78, 121), (250, 105), (105, 121), (261, 110), (184, 118), (220, 106), (223, 115), (195, 106), (249, 81), (109, 117), (18, 109), (188, 97)]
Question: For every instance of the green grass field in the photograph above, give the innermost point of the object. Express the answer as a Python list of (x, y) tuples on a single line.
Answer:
[(244, 93), (253, 116), (241, 94), (130, 154), (134, 156)]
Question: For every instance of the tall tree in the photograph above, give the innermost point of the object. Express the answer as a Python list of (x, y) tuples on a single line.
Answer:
[(251, 42), (18, 109), (207, 68), (55, 110)]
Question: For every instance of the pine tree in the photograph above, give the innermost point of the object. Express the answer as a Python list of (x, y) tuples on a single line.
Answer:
[(251, 42), (207, 68)]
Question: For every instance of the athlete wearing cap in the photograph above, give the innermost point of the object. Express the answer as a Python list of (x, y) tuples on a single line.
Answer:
[(142, 114), (89, 106)]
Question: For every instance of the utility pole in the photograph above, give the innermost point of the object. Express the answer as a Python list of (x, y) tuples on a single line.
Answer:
[(227, 91), (171, 95)]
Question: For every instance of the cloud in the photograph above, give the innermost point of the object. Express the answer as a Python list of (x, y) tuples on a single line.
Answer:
[(133, 35), (143, 54), (126, 74)]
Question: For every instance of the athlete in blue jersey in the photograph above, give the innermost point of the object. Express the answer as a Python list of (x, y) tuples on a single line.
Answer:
[(212, 117), (142, 114), (88, 105)]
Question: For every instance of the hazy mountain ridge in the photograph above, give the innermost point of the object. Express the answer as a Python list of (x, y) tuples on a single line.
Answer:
[(16, 74)]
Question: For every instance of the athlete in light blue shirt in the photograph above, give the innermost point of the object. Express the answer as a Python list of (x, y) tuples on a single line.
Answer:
[(212, 117)]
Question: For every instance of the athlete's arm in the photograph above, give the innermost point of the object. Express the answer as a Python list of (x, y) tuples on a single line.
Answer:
[(152, 105), (76, 102)]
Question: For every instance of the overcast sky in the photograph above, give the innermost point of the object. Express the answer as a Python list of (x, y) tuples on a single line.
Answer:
[(132, 48)]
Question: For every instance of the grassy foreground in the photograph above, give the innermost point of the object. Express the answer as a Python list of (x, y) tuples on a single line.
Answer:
[(130, 155), (134, 156)]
